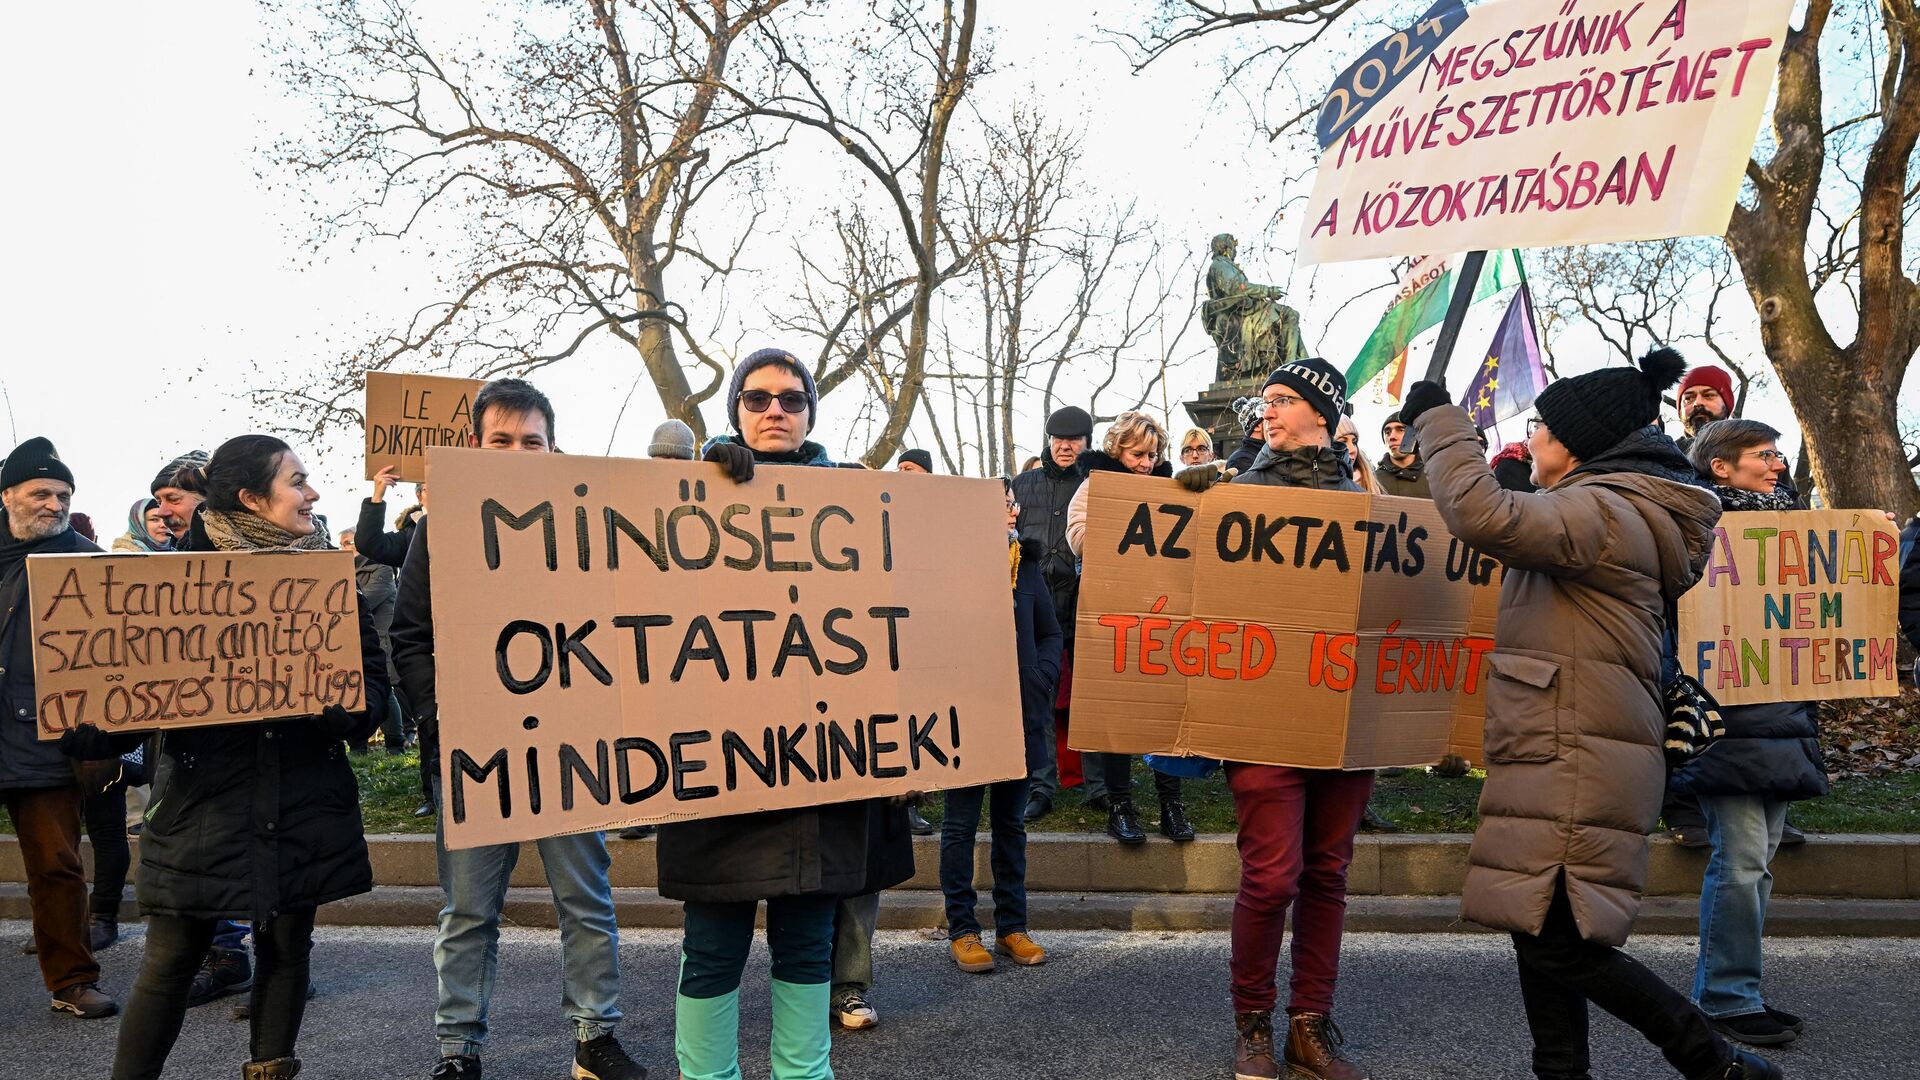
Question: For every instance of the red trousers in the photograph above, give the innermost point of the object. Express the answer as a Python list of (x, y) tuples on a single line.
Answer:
[(1296, 842), (47, 821)]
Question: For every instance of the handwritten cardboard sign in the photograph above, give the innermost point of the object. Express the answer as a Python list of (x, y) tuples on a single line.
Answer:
[(1543, 124), (622, 641), (1796, 606), (133, 642), (1283, 626), (406, 414)]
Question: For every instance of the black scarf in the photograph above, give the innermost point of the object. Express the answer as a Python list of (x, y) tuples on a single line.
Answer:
[(1738, 499), (13, 553)]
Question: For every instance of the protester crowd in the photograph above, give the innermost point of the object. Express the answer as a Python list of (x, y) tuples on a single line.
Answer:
[(1602, 522)]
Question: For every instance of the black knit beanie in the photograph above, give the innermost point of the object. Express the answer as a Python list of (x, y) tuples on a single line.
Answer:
[(35, 459), (1591, 413), (760, 359), (1317, 381)]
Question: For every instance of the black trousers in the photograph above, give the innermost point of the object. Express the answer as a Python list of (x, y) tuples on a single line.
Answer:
[(175, 946), (1118, 771), (1560, 972), (105, 815)]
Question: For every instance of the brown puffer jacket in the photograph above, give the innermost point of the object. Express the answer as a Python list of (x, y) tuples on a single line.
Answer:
[(1574, 719)]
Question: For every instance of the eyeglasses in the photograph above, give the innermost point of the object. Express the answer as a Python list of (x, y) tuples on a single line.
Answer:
[(1282, 401), (1534, 424), (757, 401), (1186, 450), (1771, 457)]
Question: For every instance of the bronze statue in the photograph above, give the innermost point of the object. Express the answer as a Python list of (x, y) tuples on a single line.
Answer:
[(1256, 333)]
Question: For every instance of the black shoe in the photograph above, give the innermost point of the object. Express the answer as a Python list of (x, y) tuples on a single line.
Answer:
[(603, 1059), (1755, 1029), (1173, 822), (638, 832), (1745, 1066), (1372, 822), (425, 809), (1102, 803), (1689, 836), (1038, 806), (223, 972), (1791, 837), (917, 823), (103, 932), (456, 1068), (1122, 825), (1787, 1020)]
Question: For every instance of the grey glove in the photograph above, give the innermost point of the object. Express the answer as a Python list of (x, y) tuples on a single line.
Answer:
[(1201, 477)]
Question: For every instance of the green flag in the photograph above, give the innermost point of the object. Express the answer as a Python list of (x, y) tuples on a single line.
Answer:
[(1419, 313)]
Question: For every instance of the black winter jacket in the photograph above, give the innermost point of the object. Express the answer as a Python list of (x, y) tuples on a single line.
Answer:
[(1910, 581), (1037, 640), (1771, 750), (842, 849), (250, 820), (1242, 459), (26, 762), (1326, 468), (1043, 495), (373, 540)]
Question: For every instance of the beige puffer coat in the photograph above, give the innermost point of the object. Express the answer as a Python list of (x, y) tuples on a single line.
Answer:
[(1574, 718)]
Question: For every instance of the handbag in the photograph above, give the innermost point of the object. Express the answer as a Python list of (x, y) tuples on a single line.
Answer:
[(1693, 720)]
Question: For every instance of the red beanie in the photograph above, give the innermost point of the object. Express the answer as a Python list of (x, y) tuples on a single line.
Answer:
[(1709, 375)]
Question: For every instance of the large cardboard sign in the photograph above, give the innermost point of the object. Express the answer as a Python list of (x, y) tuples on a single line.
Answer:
[(133, 642), (1538, 123), (1282, 626), (406, 414), (623, 641), (1796, 606)]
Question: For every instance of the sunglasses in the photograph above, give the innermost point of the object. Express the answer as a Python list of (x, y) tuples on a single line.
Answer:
[(792, 402)]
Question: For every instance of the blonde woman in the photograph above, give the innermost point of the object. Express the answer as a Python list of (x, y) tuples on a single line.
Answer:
[(1136, 443), (1196, 448), (1349, 437)]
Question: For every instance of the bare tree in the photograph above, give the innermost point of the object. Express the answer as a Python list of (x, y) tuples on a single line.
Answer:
[(894, 124), (564, 170)]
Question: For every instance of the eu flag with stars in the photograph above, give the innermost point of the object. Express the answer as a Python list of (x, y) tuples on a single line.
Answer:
[(1511, 376)]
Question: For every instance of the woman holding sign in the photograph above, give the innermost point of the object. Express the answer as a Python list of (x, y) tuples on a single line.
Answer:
[(1620, 528), (255, 821), (1770, 756)]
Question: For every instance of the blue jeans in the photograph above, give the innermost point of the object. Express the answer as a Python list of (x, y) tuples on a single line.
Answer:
[(1745, 832), (958, 827), (466, 952), (854, 920)]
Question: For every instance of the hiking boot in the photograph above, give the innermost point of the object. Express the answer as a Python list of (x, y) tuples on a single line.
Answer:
[(223, 972), (852, 1010), (1373, 822), (1787, 1020), (1755, 1029), (425, 809), (604, 1059), (1173, 822), (1122, 825), (456, 1068), (969, 955), (103, 932), (1313, 1050), (1745, 1066), (917, 824), (277, 1069), (1253, 1046), (84, 1001), (1021, 949), (1038, 806)]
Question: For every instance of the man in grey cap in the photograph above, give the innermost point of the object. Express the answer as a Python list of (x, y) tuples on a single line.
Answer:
[(37, 784), (1042, 495)]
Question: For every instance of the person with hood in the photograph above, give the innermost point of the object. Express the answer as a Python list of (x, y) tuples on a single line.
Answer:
[(38, 787), (803, 862), (1398, 473), (1043, 495), (1575, 721), (147, 530), (1769, 757), (1296, 826), (257, 821), (1137, 444), (1037, 644), (509, 416)]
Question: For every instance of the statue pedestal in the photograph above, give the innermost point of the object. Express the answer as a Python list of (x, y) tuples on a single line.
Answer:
[(1213, 410)]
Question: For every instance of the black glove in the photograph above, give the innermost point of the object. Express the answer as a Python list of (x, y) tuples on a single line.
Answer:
[(88, 743), (1423, 396), (736, 459), (337, 721), (1200, 477)]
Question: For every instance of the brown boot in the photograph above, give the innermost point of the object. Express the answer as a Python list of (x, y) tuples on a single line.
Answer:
[(1253, 1046), (1313, 1050), (278, 1069)]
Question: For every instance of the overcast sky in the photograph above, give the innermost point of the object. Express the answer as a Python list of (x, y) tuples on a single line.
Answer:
[(150, 273)]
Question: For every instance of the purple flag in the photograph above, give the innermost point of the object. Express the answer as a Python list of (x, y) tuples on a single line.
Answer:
[(1511, 376)]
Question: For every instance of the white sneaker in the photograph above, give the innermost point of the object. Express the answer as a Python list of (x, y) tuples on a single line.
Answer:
[(853, 1012)]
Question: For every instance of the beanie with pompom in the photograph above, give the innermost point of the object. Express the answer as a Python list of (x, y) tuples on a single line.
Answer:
[(1590, 414)]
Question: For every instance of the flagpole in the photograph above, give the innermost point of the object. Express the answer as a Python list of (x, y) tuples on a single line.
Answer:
[(1463, 290)]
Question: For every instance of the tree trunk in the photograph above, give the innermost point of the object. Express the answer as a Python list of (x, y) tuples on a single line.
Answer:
[(663, 360)]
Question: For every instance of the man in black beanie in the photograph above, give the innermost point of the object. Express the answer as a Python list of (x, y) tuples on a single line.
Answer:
[(1043, 495), (1596, 561), (915, 461), (37, 784)]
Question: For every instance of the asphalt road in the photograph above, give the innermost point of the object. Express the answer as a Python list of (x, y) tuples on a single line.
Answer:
[(1108, 1004)]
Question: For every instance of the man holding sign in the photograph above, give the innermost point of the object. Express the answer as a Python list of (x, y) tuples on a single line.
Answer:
[(36, 782)]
